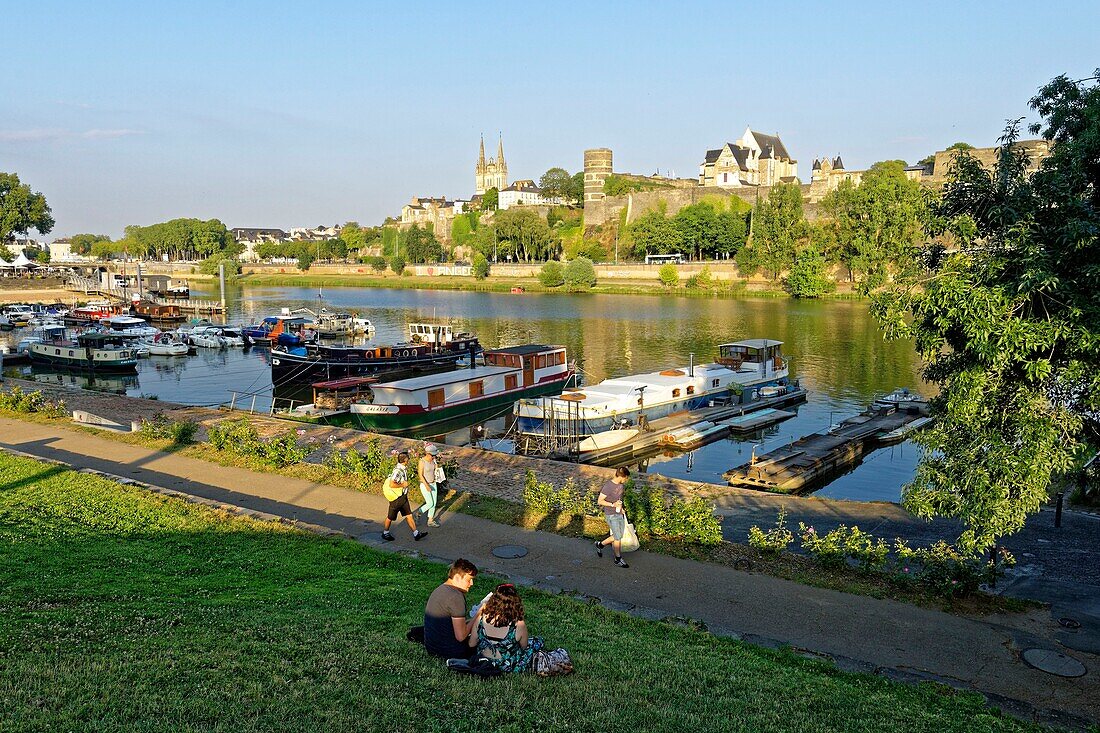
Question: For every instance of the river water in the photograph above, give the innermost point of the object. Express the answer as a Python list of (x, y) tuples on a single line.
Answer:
[(835, 349)]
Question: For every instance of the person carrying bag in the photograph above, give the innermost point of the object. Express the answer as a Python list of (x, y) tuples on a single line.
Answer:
[(396, 490)]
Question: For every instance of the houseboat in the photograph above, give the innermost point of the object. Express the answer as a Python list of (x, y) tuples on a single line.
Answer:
[(426, 403), (94, 311), (742, 369), (431, 348), (155, 312), (102, 352), (278, 330)]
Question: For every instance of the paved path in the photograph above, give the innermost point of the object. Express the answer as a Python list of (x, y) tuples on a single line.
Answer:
[(860, 633)]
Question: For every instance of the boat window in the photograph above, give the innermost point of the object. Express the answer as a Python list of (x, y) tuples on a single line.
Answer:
[(57, 352), (70, 352), (435, 398), (477, 389), (510, 381), (676, 392), (714, 383), (691, 389)]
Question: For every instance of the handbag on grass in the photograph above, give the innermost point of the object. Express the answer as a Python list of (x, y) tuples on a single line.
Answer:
[(630, 537)]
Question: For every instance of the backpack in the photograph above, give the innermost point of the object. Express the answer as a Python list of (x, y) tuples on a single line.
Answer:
[(477, 667), (551, 663)]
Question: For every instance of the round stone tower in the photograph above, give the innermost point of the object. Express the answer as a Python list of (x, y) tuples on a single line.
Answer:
[(597, 167)]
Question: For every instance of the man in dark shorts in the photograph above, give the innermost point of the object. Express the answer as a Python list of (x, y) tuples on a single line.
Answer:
[(398, 483), (446, 628), (611, 501)]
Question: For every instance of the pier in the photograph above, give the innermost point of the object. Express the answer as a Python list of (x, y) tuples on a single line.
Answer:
[(801, 465), (91, 285)]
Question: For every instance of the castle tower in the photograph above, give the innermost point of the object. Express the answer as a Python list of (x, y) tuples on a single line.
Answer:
[(492, 173), (597, 167)]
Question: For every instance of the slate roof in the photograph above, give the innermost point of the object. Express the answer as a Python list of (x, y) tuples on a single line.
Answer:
[(712, 155), (773, 141), (838, 163)]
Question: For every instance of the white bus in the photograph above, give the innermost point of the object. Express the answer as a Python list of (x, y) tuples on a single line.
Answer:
[(675, 258)]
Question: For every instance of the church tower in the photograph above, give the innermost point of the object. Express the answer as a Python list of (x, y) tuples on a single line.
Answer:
[(491, 173)]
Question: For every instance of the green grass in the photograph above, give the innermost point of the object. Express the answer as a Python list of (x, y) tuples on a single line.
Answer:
[(125, 611)]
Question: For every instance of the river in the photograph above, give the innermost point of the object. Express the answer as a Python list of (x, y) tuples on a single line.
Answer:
[(835, 348)]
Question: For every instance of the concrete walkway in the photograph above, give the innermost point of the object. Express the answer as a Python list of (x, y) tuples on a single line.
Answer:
[(859, 633)]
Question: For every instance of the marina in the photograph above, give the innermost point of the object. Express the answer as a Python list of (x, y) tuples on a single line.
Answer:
[(838, 358)]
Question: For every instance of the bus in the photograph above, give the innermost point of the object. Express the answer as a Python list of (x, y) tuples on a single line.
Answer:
[(676, 258)]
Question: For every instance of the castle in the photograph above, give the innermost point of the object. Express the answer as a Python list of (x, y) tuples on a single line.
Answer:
[(755, 159), (490, 173)]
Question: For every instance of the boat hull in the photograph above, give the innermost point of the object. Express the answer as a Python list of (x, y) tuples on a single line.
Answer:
[(82, 362), (291, 369)]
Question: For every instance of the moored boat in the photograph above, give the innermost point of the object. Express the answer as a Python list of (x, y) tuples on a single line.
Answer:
[(741, 371), (278, 330), (129, 327), (93, 312), (167, 344), (97, 351), (421, 404)]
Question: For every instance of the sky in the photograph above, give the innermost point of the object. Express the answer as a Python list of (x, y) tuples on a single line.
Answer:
[(300, 114)]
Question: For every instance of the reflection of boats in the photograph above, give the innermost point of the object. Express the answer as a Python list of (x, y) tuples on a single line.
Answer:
[(509, 374), (97, 351), (742, 369), (432, 348), (116, 383)]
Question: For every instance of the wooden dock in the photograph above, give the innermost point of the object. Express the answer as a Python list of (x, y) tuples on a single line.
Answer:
[(800, 466), (90, 285), (691, 429)]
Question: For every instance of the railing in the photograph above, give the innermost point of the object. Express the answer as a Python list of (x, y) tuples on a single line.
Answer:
[(93, 285)]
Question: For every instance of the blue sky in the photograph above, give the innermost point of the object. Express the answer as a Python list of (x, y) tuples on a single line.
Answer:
[(296, 114)]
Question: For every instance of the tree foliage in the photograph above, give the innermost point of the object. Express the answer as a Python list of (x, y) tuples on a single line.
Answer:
[(809, 275), (1008, 323), (575, 191), (552, 274), (81, 244), (523, 234), (480, 266), (779, 227), (490, 200), (668, 275), (420, 245), (21, 209), (580, 274), (555, 182)]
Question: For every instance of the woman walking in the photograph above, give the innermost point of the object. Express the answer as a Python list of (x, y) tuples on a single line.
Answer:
[(426, 469)]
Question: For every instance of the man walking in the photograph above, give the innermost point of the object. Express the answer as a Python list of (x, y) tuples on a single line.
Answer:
[(396, 490), (611, 501), (446, 628)]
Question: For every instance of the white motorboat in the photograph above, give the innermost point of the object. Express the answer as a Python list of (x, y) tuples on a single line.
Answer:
[(743, 369), (232, 337), (167, 345), (362, 325), (606, 439), (206, 337), (129, 327)]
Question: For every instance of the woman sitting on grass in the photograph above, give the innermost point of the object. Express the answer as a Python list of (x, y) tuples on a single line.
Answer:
[(502, 633)]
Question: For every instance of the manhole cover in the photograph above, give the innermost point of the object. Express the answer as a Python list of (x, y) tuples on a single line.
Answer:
[(1053, 662), (511, 552)]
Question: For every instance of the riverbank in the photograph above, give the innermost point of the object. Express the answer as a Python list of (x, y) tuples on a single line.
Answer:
[(204, 627)]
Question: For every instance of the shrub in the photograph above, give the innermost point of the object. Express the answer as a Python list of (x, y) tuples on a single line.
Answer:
[(17, 400), (240, 437), (843, 543), (945, 570), (543, 496), (210, 266), (669, 275), (580, 274), (378, 264), (373, 463), (305, 259), (181, 432), (809, 277), (397, 264), (776, 539), (480, 266), (552, 274)]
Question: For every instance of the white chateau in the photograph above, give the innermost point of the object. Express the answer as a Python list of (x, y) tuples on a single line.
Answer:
[(755, 159)]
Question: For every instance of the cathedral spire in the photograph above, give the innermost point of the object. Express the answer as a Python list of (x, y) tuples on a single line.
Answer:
[(500, 150), (481, 155)]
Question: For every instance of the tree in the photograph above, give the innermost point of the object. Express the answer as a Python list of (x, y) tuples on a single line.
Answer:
[(778, 229), (480, 266), (421, 245), (932, 157), (490, 200), (555, 182), (878, 224), (669, 275), (1008, 323), (575, 191), (21, 209), (81, 244), (809, 276), (580, 274), (552, 274), (353, 236), (525, 235), (698, 227), (654, 233), (305, 260), (397, 264)]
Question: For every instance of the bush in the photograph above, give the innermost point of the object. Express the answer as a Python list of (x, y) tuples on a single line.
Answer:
[(373, 464), (31, 402), (669, 275), (305, 259), (809, 277), (397, 264), (580, 274), (210, 265), (840, 545), (776, 539), (543, 496), (945, 570), (480, 266), (552, 274), (240, 437), (378, 264), (180, 432)]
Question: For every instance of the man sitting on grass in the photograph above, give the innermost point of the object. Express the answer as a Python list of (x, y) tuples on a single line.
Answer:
[(446, 627)]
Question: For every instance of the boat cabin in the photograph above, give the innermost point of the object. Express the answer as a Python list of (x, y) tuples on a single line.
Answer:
[(339, 394), (533, 360), (156, 312), (751, 351)]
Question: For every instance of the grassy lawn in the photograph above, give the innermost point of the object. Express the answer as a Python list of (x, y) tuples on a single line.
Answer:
[(121, 610)]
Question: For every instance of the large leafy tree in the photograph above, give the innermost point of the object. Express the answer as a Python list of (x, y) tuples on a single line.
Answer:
[(1007, 320), (655, 233), (575, 190), (778, 228), (21, 209), (420, 245), (555, 182), (878, 224), (525, 235)]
